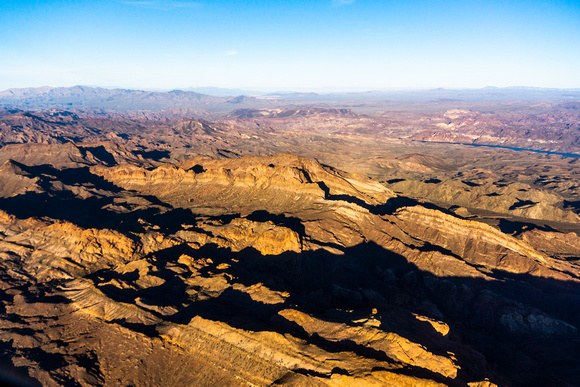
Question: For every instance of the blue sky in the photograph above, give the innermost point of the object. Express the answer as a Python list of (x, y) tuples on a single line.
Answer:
[(300, 45)]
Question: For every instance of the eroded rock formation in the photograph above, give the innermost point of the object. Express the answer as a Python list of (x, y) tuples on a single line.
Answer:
[(266, 270)]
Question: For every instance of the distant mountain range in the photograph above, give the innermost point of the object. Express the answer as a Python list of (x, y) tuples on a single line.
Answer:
[(117, 100), (441, 94), (190, 102)]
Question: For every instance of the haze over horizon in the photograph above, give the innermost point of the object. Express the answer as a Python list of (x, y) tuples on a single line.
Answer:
[(303, 46)]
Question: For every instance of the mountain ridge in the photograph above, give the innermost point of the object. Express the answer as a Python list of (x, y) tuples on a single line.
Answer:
[(273, 269)]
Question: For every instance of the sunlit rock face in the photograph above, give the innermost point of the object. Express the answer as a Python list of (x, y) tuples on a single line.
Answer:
[(262, 270)]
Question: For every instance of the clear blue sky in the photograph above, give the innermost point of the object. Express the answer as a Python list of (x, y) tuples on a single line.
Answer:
[(350, 44)]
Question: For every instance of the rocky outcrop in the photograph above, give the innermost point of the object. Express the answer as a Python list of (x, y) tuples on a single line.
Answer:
[(394, 346), (241, 233), (476, 243), (516, 199), (60, 250), (14, 180), (280, 183)]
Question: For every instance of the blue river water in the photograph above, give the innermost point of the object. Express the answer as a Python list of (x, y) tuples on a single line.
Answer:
[(529, 150)]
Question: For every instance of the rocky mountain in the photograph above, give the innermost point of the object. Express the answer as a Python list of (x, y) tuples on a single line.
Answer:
[(264, 270), (555, 130), (543, 188), (295, 245), (546, 120), (540, 189)]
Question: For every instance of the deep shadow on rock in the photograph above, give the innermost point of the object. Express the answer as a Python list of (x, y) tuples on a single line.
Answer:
[(501, 319)]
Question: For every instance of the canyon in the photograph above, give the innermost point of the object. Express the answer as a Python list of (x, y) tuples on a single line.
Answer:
[(261, 241)]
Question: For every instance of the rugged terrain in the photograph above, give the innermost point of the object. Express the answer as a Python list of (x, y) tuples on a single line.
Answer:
[(297, 245)]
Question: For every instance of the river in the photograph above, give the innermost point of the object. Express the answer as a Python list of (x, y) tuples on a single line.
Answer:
[(525, 149)]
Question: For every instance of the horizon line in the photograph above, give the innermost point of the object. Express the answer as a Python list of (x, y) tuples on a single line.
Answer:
[(289, 90)]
